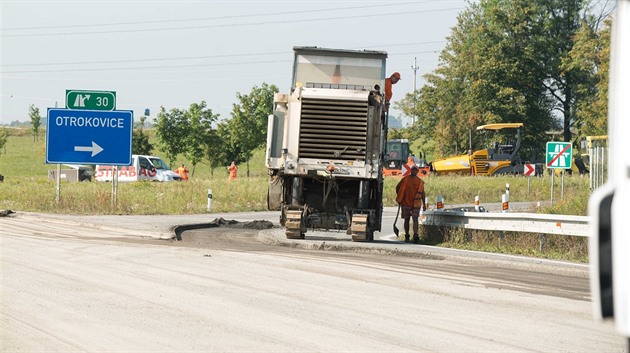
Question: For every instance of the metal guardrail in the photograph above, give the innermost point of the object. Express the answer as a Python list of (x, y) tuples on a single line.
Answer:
[(510, 222)]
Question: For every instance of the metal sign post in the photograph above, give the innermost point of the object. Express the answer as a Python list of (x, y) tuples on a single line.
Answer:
[(562, 186), (529, 170), (58, 181), (559, 155), (552, 174), (115, 186)]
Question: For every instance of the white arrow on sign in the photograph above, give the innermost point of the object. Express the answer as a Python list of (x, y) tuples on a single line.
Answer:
[(95, 149)]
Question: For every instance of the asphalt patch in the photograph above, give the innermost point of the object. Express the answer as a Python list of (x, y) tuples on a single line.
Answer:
[(223, 223), (260, 225)]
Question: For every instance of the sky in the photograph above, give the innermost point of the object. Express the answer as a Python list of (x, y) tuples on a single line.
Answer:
[(173, 53)]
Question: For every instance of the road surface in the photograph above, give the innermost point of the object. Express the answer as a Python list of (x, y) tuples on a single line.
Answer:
[(74, 285)]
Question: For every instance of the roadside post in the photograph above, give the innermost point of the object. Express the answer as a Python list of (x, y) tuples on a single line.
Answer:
[(558, 156), (529, 170), (209, 199)]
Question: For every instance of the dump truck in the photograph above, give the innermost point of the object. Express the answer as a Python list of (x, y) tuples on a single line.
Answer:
[(497, 158), (326, 141)]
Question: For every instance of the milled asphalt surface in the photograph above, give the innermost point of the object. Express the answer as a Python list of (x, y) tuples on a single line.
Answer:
[(166, 226), (171, 226)]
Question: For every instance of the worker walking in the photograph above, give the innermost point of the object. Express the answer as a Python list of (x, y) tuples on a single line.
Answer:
[(183, 172), (232, 169), (410, 196)]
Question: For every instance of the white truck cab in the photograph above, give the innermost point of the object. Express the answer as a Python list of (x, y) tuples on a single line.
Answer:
[(142, 167), (609, 205)]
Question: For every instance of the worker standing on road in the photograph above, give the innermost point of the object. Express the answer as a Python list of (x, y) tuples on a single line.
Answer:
[(232, 169), (391, 80), (183, 172), (410, 196)]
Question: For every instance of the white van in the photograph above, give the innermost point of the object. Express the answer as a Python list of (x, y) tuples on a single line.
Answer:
[(142, 167)]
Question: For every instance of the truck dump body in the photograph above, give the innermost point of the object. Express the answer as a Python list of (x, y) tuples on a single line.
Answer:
[(325, 142)]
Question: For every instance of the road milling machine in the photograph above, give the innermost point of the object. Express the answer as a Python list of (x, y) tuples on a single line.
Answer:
[(326, 141)]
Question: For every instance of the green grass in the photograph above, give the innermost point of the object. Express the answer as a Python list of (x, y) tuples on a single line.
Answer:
[(27, 188)]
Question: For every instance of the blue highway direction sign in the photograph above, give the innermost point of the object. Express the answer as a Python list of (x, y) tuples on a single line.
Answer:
[(89, 136)]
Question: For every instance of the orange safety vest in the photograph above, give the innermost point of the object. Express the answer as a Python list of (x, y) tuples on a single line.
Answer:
[(183, 172), (232, 168), (405, 195)]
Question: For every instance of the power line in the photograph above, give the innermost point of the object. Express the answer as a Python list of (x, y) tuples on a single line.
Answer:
[(215, 18), (201, 57), (172, 66), (230, 24)]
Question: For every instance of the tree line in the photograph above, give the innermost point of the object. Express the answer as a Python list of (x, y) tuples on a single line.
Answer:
[(197, 134), (543, 63)]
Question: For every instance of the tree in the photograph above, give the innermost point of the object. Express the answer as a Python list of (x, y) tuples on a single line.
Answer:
[(33, 114), (4, 137), (199, 134), (141, 144), (591, 54), (172, 129), (248, 126), (506, 61), (187, 132), (222, 148)]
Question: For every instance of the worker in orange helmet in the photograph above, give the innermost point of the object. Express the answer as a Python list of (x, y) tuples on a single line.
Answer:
[(410, 196), (183, 172), (391, 80), (232, 169)]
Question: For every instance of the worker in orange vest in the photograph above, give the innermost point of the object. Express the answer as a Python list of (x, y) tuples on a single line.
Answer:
[(410, 196), (183, 172), (232, 169), (391, 80)]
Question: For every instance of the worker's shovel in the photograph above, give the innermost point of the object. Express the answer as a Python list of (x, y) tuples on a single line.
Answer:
[(396, 220)]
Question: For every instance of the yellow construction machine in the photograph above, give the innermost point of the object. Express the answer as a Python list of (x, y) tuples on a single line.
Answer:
[(498, 158)]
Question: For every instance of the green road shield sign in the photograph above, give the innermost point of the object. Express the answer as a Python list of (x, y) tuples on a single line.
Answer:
[(90, 100), (559, 155)]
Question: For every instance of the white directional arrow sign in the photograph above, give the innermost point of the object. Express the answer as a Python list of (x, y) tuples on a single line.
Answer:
[(95, 149)]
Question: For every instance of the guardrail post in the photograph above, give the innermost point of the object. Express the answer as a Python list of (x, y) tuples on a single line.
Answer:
[(543, 241), (505, 202), (440, 203)]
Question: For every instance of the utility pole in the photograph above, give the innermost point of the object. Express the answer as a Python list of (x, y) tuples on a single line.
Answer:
[(415, 68)]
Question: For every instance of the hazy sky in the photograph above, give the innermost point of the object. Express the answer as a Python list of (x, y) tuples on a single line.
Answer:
[(173, 53)]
